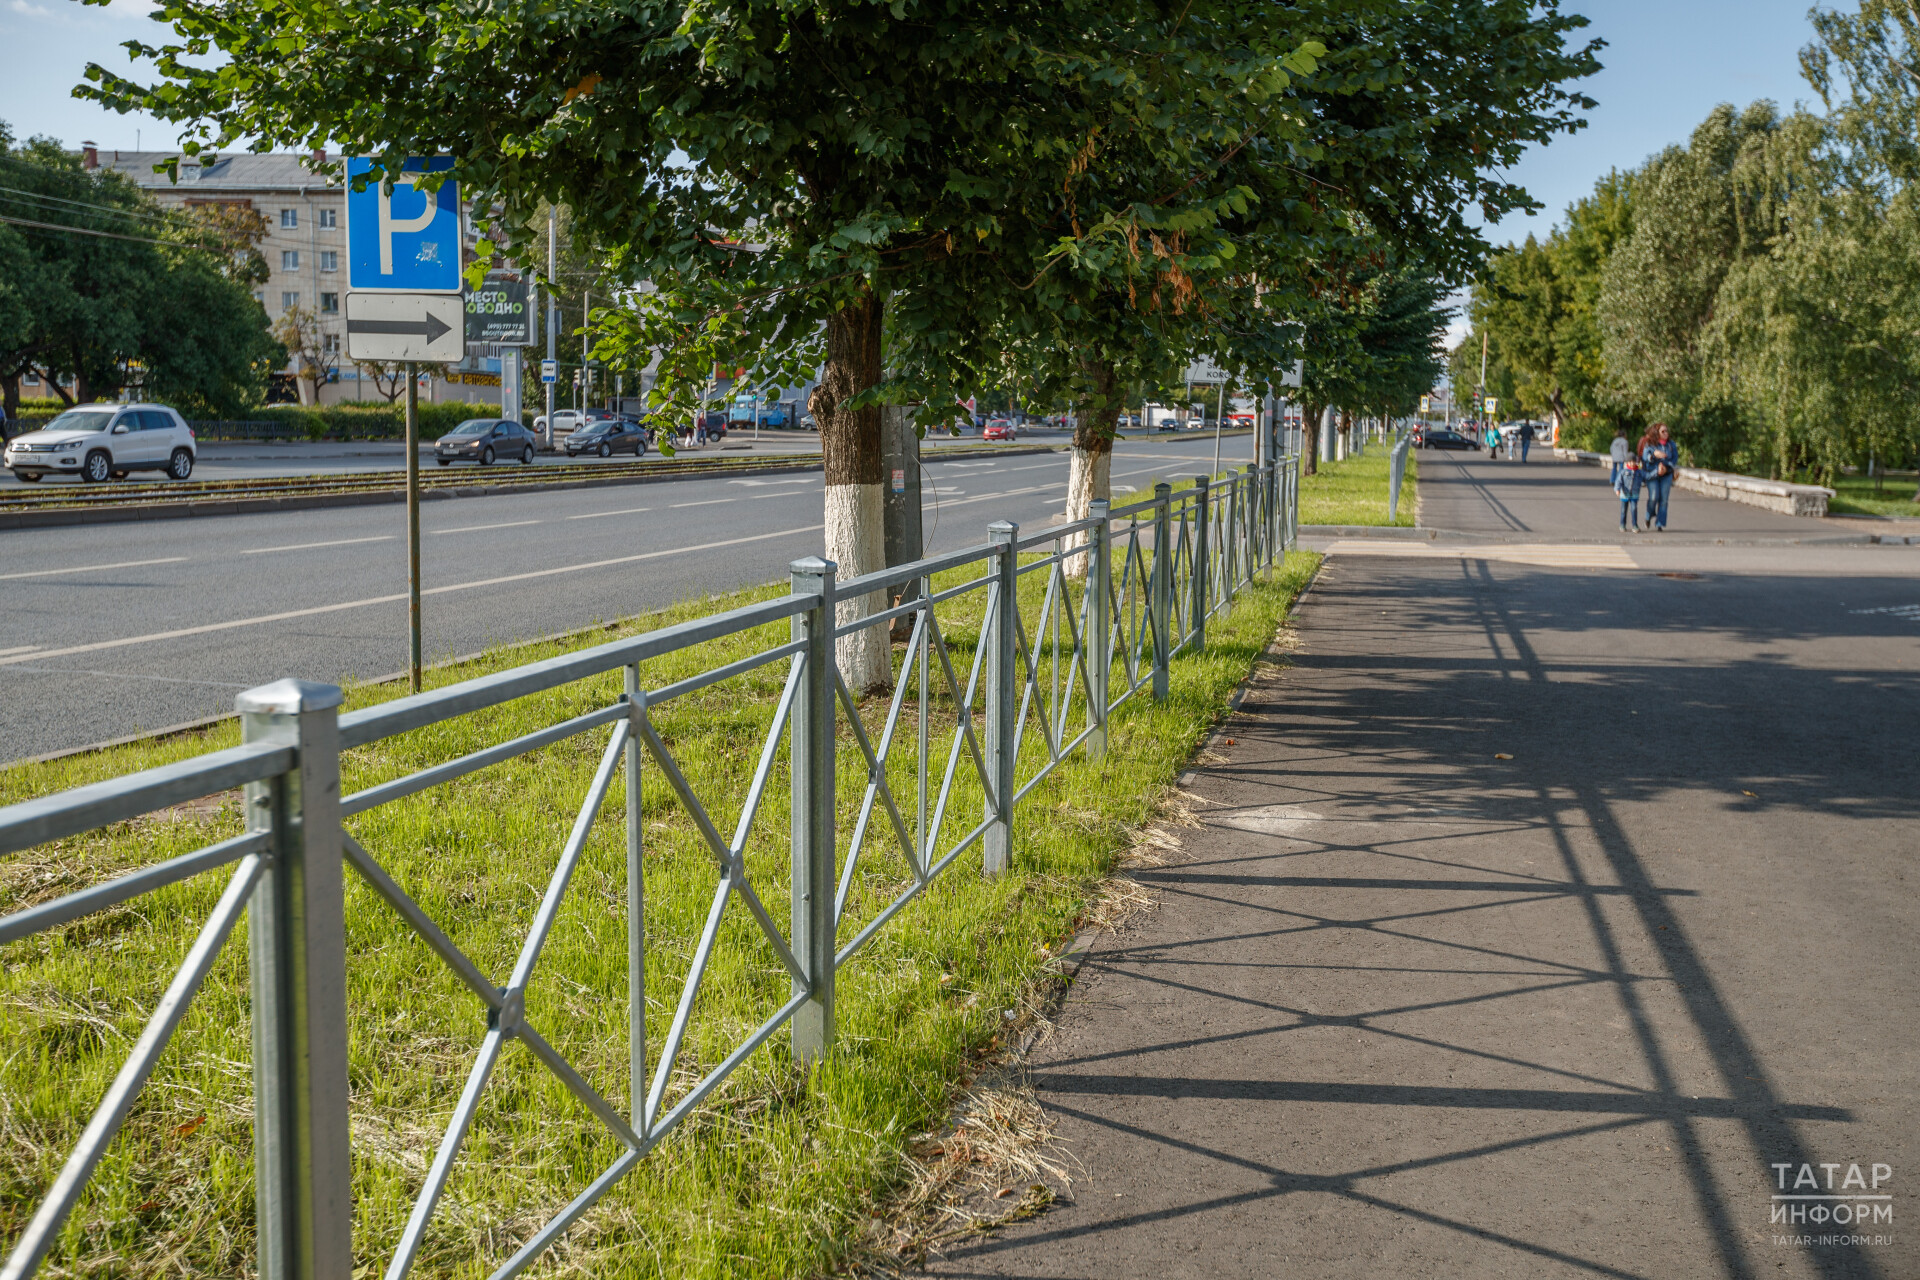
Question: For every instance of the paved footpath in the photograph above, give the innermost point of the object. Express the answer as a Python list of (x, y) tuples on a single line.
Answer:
[(1409, 1007)]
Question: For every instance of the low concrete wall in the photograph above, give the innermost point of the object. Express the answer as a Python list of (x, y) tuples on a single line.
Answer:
[(1773, 495)]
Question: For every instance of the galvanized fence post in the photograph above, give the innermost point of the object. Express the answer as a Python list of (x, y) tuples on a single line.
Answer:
[(636, 909), (1249, 476), (1229, 551), (1162, 608), (303, 1175), (1203, 511), (1098, 638), (810, 750), (1003, 699)]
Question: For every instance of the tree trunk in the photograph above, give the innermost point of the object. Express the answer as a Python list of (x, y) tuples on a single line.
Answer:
[(9, 406), (1096, 420), (855, 494), (1310, 415)]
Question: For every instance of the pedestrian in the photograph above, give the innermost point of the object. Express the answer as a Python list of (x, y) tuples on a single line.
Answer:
[(1620, 452), (1659, 464), (1526, 439), (1626, 484), (1493, 441)]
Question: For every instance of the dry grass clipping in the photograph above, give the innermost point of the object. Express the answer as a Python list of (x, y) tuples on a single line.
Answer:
[(997, 1162)]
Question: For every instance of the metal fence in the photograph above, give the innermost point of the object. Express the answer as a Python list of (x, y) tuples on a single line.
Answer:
[(1397, 474), (1067, 625)]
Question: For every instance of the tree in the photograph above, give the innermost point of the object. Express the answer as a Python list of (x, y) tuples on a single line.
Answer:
[(99, 284), (298, 330)]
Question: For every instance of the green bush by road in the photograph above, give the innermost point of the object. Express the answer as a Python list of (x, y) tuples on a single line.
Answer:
[(775, 1175)]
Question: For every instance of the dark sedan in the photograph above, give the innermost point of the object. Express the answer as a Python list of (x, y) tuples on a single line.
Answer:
[(482, 440), (607, 437), (1447, 440)]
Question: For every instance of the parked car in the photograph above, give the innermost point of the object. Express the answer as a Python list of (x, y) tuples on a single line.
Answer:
[(567, 421), (998, 429), (609, 436), (1439, 438), (98, 442), (482, 440)]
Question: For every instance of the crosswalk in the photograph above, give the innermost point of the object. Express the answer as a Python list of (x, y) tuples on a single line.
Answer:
[(1542, 554)]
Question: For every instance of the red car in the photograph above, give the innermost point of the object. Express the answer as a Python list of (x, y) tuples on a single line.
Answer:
[(997, 429)]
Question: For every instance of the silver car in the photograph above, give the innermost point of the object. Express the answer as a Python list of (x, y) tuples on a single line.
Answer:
[(98, 442)]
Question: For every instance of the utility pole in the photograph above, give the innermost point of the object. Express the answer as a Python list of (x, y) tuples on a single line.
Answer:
[(586, 374), (553, 308), (413, 528)]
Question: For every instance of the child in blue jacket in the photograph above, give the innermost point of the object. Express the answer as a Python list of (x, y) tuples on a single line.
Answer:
[(1628, 487)]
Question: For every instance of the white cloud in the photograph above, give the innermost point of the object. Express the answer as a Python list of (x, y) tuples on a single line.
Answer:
[(31, 10)]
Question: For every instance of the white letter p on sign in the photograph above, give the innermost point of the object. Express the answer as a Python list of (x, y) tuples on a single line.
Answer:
[(390, 224)]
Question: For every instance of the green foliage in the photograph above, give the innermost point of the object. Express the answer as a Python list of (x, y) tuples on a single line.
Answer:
[(369, 419), (118, 292), (1754, 288)]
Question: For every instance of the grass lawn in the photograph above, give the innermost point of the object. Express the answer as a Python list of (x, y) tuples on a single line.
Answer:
[(775, 1174), (1354, 491), (1858, 496)]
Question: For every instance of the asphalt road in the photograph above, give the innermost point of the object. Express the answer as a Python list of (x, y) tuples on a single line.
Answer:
[(1547, 901), (115, 629)]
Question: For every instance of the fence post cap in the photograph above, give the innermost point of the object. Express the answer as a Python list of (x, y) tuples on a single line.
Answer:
[(1003, 529), (1162, 487), (288, 698), (812, 566)]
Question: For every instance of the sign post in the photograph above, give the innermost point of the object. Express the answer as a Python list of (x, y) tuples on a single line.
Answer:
[(404, 306)]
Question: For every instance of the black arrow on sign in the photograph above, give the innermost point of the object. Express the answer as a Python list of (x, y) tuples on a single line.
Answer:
[(430, 328)]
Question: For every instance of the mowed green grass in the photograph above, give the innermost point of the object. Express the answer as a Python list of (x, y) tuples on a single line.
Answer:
[(1354, 490), (1875, 496), (776, 1174)]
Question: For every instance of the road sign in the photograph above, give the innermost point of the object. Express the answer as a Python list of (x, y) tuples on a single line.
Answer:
[(497, 311), (1493, 407), (1205, 370), (406, 240), (549, 371), (405, 326), (1294, 376)]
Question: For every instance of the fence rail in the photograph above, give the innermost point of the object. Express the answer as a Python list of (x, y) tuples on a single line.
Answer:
[(1065, 625)]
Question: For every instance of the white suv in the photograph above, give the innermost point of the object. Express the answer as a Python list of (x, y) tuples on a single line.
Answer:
[(101, 441)]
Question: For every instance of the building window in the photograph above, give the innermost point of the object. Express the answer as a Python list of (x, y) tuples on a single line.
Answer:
[(32, 379), (328, 219), (330, 304), (289, 259), (329, 342), (329, 260), (289, 217), (260, 296), (288, 301)]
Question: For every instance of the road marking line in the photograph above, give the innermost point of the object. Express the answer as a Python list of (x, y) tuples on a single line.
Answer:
[(481, 528), (316, 610), (624, 511), (19, 648), (90, 568), (710, 502), (309, 546), (1547, 556)]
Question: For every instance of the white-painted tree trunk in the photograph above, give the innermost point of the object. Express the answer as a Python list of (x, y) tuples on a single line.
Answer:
[(857, 544), (1089, 476)]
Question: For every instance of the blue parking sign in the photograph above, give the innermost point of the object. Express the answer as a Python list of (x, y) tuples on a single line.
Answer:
[(409, 241)]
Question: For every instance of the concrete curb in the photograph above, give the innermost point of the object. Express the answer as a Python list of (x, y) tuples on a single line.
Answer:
[(66, 517)]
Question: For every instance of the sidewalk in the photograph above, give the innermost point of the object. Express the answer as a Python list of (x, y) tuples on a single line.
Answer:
[(1411, 1009)]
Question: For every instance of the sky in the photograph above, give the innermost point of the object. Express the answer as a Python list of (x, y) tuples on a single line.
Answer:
[(1667, 63)]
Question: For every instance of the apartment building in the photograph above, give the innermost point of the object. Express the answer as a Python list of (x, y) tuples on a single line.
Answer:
[(305, 205)]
